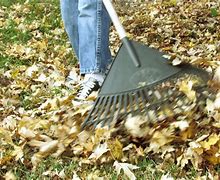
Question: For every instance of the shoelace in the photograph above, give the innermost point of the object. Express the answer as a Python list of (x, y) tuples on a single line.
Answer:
[(87, 87)]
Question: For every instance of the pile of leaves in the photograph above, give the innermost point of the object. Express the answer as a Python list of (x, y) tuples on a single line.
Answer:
[(38, 117)]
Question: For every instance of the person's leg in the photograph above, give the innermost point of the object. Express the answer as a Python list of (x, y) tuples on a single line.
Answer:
[(93, 23), (69, 12)]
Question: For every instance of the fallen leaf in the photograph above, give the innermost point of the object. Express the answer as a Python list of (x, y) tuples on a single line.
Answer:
[(159, 139), (186, 87), (182, 125), (31, 70), (126, 168), (18, 153), (217, 75), (27, 133), (137, 125), (166, 177), (212, 140), (210, 106), (176, 62), (48, 146), (217, 101), (41, 78), (116, 147), (99, 151), (10, 176), (75, 176)]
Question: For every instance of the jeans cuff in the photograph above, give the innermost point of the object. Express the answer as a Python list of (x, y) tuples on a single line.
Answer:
[(92, 70), (102, 69)]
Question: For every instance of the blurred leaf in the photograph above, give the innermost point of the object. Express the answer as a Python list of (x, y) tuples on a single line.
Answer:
[(10, 176), (212, 140), (173, 2), (136, 125), (48, 147), (159, 139), (186, 87)]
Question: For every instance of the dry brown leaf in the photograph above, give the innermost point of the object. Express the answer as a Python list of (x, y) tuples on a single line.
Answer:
[(212, 140), (36, 108), (217, 75), (10, 176), (116, 147), (159, 139), (126, 168), (186, 87), (99, 151), (137, 125)]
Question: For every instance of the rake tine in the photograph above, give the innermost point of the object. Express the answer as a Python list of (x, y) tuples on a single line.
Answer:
[(120, 104), (137, 101), (111, 115), (99, 116), (131, 102), (94, 110), (147, 95), (114, 106), (154, 109), (144, 101), (119, 107), (148, 100), (97, 121), (107, 110), (125, 103), (102, 108)]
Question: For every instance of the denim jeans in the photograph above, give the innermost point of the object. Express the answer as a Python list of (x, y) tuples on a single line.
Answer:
[(87, 25)]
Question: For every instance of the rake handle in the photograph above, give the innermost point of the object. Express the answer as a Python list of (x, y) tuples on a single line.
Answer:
[(121, 31)]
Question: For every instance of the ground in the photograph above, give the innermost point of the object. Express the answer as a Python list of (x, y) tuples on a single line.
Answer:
[(40, 135)]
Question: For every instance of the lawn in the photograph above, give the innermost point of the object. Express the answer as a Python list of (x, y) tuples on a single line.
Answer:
[(40, 136)]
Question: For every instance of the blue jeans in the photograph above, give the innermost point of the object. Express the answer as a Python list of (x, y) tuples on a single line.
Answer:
[(87, 25)]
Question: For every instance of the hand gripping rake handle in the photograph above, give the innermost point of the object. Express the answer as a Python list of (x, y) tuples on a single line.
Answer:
[(121, 31)]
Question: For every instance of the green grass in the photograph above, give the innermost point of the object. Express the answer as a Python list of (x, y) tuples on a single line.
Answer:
[(48, 10), (8, 3), (13, 35), (26, 102), (47, 14), (6, 61), (148, 170)]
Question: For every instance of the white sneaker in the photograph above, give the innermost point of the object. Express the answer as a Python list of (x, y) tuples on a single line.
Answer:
[(91, 82)]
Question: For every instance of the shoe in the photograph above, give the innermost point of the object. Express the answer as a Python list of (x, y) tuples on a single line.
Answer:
[(91, 82)]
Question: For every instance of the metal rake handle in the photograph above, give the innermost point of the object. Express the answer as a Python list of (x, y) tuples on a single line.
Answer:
[(121, 31)]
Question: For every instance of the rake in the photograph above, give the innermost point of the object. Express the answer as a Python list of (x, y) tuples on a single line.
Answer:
[(142, 81)]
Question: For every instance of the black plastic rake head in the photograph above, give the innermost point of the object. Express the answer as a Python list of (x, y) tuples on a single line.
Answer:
[(150, 89)]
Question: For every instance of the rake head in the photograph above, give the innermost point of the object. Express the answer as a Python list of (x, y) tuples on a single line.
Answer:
[(151, 90)]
